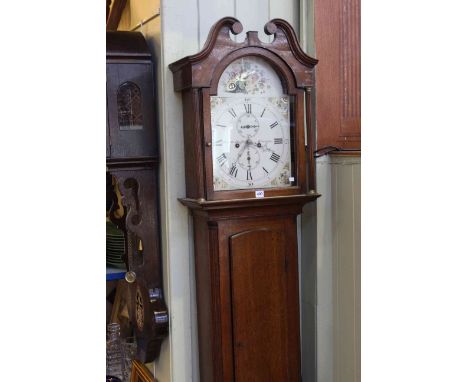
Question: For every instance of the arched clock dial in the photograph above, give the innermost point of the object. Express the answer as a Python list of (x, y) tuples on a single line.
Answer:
[(250, 124)]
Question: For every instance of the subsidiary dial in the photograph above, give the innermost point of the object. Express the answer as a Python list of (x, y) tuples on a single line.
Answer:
[(249, 157)]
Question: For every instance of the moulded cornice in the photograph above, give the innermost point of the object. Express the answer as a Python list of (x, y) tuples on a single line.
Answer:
[(196, 71)]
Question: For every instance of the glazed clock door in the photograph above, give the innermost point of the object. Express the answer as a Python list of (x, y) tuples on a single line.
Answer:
[(251, 128)]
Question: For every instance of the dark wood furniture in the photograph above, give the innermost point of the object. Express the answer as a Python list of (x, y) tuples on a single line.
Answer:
[(114, 10), (338, 45), (132, 158), (246, 246)]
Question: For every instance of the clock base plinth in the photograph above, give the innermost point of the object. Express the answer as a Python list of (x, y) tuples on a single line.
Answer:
[(247, 288)]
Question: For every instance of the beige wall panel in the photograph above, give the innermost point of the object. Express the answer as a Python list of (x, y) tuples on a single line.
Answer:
[(346, 300), (210, 12), (179, 37), (253, 15), (357, 265), (287, 10), (338, 269), (306, 24), (324, 250), (346, 268)]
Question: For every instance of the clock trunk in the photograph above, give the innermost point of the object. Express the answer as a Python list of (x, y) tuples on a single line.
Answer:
[(247, 293)]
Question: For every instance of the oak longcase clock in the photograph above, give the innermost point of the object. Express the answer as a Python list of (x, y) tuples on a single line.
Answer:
[(249, 170)]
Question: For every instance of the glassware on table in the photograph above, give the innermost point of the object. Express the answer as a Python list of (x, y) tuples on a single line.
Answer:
[(129, 350), (110, 378), (115, 362)]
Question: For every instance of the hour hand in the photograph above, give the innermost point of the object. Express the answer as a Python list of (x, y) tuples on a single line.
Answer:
[(238, 82), (241, 151), (263, 145)]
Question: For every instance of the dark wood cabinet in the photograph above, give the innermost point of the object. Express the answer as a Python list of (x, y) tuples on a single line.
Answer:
[(132, 162), (130, 98), (338, 46), (247, 106)]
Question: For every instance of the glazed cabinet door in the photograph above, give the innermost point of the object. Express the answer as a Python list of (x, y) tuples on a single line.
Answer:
[(131, 111)]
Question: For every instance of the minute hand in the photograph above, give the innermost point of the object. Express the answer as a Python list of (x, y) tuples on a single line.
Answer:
[(246, 144), (263, 144)]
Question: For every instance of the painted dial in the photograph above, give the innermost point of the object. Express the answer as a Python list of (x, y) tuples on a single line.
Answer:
[(250, 128), (250, 144)]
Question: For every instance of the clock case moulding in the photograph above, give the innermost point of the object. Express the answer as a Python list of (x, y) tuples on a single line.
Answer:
[(197, 77)]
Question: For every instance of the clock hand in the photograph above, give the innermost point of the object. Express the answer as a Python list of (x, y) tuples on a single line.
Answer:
[(243, 149), (262, 144), (243, 76), (238, 82), (248, 158)]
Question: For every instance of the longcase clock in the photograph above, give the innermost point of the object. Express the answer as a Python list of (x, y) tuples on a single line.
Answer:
[(247, 112)]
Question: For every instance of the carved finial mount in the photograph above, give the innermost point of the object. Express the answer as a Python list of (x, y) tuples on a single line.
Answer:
[(220, 30), (270, 28), (237, 27), (232, 23)]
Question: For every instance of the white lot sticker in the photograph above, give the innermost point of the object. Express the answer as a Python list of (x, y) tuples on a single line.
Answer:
[(291, 179), (259, 193)]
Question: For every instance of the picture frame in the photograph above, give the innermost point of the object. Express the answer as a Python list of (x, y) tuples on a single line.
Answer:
[(140, 373)]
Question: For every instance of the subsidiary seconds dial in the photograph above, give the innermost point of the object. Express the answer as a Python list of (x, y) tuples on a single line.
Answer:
[(250, 140)]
